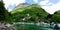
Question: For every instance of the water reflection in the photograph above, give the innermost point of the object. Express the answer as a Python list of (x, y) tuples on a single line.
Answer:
[(29, 26)]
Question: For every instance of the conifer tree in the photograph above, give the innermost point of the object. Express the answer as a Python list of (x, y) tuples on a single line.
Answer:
[(4, 14)]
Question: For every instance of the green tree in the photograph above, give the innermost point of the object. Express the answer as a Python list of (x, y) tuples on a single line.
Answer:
[(56, 17), (35, 12), (4, 14)]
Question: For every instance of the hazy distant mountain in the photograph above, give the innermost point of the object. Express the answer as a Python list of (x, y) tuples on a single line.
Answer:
[(21, 5), (58, 10)]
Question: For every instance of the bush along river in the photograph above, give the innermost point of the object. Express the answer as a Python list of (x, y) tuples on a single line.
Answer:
[(28, 26)]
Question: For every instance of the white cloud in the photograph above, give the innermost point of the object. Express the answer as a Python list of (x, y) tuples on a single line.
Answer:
[(50, 9), (9, 10), (53, 8), (36, 1), (8, 2), (44, 2)]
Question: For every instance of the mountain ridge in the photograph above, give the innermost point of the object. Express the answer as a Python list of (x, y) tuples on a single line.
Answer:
[(22, 5)]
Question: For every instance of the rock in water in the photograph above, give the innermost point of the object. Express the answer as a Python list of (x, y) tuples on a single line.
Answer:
[(56, 26)]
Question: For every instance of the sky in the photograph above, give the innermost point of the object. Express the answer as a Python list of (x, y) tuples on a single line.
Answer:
[(50, 6)]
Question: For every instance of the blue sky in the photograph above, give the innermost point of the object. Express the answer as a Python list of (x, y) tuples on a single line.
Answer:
[(54, 1), (32, 1), (29, 1), (50, 6)]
